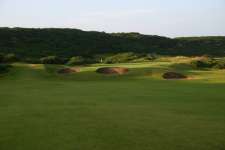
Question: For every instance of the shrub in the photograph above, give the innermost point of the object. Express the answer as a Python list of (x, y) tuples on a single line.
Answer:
[(91, 60), (77, 60), (4, 68), (51, 60), (9, 58), (121, 58), (100, 58), (1, 58), (203, 63), (220, 64), (209, 63), (32, 60), (151, 56)]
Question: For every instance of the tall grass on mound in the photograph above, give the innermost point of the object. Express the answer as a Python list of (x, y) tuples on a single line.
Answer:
[(198, 64), (220, 64), (207, 62)]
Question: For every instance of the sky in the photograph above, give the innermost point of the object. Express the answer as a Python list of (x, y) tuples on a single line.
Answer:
[(172, 18)]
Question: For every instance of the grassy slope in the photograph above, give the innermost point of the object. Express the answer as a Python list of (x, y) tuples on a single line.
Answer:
[(40, 110)]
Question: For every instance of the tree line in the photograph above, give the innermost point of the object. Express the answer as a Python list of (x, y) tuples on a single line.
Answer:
[(28, 43)]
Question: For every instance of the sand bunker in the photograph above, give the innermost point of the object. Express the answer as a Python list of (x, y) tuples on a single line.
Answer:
[(68, 70), (112, 70), (173, 75)]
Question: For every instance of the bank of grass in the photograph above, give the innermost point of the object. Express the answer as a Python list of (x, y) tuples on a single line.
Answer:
[(42, 110)]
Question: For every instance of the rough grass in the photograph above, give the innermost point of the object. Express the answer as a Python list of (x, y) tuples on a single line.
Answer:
[(42, 110)]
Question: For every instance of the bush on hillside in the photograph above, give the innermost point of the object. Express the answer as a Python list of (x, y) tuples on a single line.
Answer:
[(1, 58), (100, 58), (207, 62), (121, 58), (91, 60), (151, 56), (9, 58), (77, 60), (203, 63), (32, 61), (51, 60), (4, 68), (220, 64)]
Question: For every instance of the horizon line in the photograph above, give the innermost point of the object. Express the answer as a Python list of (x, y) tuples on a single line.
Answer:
[(73, 28)]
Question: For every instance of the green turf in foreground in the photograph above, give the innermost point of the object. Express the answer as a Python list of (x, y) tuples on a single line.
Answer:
[(40, 110)]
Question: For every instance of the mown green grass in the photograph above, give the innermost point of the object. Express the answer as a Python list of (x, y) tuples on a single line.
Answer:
[(41, 110)]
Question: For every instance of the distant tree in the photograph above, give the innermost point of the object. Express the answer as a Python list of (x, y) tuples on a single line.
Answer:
[(69, 42)]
